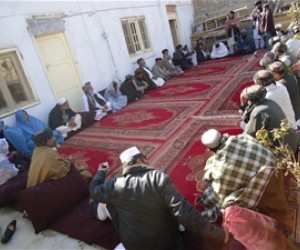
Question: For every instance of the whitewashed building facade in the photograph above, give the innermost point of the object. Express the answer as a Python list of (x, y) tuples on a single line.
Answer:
[(49, 49)]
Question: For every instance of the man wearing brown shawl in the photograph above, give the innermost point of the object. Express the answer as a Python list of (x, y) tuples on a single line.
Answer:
[(46, 163)]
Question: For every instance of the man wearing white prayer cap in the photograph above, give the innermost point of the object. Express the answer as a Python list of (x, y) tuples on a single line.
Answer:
[(64, 119), (211, 138), (237, 174), (145, 200), (129, 154), (279, 31), (61, 101)]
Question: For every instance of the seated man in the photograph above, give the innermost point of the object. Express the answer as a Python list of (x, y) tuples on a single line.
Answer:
[(141, 81), (238, 174), (46, 163), (114, 96), (278, 93), (157, 80), (93, 100), (245, 44), (293, 43), (262, 113), (160, 71), (219, 50), (267, 59), (130, 89), (281, 51), (179, 59), (168, 63), (201, 52), (64, 119), (190, 55), (288, 80), (145, 200)]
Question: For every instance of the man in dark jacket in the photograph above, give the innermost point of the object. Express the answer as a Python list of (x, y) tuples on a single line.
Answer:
[(262, 113), (130, 89), (61, 114), (146, 208)]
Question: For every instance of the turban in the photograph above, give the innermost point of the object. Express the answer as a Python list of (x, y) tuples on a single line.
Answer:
[(41, 138)]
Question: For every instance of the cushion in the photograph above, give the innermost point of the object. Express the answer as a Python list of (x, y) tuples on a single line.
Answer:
[(46, 202), (10, 189), (254, 230)]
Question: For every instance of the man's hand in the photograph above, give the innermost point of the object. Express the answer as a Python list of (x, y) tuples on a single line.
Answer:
[(105, 108), (72, 123), (103, 166)]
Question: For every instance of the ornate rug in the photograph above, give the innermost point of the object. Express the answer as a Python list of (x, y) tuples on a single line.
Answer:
[(167, 123)]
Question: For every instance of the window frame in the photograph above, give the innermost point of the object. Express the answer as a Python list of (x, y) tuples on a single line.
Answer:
[(16, 58), (136, 35)]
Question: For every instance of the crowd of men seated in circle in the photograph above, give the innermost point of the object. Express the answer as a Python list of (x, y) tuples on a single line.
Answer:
[(274, 97)]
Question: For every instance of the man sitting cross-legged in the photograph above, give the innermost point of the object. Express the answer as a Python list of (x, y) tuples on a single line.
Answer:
[(150, 78)]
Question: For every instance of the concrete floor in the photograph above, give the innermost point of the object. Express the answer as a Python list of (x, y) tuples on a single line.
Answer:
[(25, 238)]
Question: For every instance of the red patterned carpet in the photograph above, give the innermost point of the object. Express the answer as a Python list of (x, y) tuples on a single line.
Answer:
[(166, 125)]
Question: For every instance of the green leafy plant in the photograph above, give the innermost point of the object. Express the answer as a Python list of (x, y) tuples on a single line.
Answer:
[(285, 157)]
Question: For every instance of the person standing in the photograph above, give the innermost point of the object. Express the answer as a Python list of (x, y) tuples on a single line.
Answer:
[(146, 209), (232, 28), (257, 14), (267, 27)]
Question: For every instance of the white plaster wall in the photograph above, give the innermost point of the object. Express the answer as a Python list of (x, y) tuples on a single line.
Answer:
[(85, 24)]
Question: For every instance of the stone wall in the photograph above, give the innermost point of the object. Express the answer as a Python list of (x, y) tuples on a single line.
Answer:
[(206, 9)]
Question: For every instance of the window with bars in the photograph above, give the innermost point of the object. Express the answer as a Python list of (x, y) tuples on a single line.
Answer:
[(15, 90), (136, 36)]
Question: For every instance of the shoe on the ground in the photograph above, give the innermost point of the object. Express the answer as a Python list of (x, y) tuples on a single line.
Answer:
[(10, 230)]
